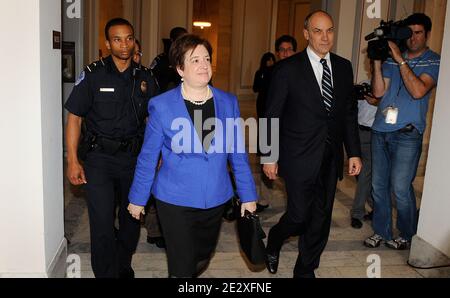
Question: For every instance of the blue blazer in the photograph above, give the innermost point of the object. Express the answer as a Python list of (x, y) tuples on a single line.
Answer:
[(189, 176)]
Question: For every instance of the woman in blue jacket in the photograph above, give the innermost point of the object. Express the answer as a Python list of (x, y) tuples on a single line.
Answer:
[(190, 127)]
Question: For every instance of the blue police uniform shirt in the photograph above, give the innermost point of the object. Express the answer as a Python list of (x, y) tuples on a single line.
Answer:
[(410, 110), (102, 95)]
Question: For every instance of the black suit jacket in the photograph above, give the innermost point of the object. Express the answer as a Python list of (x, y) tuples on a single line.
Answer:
[(295, 98)]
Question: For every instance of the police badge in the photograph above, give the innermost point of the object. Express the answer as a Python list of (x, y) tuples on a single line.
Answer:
[(144, 86)]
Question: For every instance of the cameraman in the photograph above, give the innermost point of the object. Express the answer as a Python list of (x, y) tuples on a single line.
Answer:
[(367, 109), (404, 82)]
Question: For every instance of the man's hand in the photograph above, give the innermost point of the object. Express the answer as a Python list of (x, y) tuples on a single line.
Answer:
[(395, 52), (250, 206), (271, 171), (75, 173), (354, 166), (372, 100), (136, 211)]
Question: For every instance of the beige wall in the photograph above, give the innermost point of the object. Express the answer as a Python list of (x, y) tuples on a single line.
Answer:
[(149, 29), (32, 240), (436, 9), (251, 38), (300, 9), (345, 28), (434, 222), (403, 9)]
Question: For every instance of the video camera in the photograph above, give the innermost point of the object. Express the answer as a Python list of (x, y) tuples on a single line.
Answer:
[(398, 32), (362, 90)]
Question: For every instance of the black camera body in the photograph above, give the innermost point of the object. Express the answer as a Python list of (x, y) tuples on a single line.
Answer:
[(398, 32), (362, 90)]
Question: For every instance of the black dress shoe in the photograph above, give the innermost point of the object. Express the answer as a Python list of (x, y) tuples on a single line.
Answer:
[(126, 273), (272, 262), (158, 241), (261, 208), (356, 223)]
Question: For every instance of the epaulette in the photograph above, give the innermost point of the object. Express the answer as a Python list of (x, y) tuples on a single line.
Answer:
[(94, 66)]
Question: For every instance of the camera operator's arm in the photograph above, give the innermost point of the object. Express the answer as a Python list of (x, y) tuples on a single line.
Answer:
[(418, 87), (379, 83), (372, 100)]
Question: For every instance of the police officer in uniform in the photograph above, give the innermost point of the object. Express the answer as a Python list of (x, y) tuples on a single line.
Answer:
[(111, 98), (166, 75)]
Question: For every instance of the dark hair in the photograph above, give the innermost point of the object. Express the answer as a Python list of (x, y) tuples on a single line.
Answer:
[(266, 57), (286, 38), (184, 44), (117, 22), (177, 32), (419, 19), (308, 17)]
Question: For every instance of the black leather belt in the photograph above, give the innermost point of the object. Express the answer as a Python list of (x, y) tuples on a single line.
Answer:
[(407, 128), (364, 128)]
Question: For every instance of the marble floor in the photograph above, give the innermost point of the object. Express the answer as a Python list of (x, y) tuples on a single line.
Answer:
[(344, 256)]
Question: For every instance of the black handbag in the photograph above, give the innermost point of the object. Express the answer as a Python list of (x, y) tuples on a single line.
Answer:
[(251, 236)]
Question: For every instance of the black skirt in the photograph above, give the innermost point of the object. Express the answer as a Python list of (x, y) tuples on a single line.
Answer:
[(191, 236)]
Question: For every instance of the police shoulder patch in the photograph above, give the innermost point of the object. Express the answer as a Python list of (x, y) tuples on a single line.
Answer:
[(80, 78)]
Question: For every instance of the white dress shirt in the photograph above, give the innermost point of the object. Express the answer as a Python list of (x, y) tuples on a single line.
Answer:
[(318, 67), (366, 111)]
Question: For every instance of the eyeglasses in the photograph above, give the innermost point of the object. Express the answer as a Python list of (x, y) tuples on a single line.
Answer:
[(285, 50)]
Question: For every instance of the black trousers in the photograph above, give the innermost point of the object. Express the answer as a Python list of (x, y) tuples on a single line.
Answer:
[(109, 180), (308, 215), (191, 236)]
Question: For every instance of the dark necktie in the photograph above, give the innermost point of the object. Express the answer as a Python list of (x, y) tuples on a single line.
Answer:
[(327, 90), (327, 86)]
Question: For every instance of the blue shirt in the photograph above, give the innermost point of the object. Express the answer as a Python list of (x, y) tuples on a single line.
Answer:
[(410, 110)]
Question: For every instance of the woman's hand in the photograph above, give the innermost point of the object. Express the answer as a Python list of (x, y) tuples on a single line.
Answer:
[(250, 207), (136, 211)]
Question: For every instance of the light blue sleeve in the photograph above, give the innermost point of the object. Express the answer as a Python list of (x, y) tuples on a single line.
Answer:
[(433, 69)]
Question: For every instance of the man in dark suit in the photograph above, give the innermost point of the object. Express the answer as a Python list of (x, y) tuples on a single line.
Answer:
[(312, 95)]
